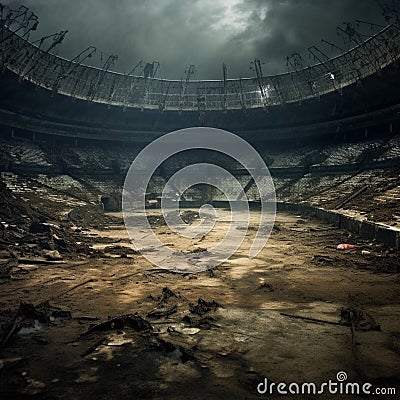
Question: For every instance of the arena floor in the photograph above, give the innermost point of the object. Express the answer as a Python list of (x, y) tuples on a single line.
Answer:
[(301, 311)]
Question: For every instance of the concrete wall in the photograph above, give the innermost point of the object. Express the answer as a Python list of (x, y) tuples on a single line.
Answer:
[(366, 229)]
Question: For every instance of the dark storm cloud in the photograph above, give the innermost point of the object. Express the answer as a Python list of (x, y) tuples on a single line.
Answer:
[(202, 32), (291, 26)]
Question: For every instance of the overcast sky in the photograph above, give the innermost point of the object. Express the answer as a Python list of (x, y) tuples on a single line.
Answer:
[(205, 33)]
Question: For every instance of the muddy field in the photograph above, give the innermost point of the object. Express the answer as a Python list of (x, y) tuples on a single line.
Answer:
[(107, 324)]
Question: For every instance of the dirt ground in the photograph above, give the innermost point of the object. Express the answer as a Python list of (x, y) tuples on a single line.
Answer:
[(211, 335)]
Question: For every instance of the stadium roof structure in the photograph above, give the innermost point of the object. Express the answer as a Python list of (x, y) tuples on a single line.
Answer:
[(354, 84), (73, 78)]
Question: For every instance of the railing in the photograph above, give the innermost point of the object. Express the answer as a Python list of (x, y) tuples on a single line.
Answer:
[(93, 84)]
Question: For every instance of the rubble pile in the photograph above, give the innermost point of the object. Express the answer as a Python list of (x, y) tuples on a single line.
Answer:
[(30, 317), (92, 216), (27, 232), (188, 216)]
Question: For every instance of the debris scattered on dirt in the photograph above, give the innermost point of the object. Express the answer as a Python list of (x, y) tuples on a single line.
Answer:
[(396, 343), (38, 227), (351, 317), (162, 313), (188, 216), (173, 351), (167, 305), (5, 268), (29, 317), (134, 321), (122, 251), (322, 259), (346, 246), (34, 386), (92, 216), (266, 287), (315, 320), (171, 303), (6, 363), (40, 340), (199, 250), (203, 307), (29, 232), (166, 294), (360, 320), (76, 286), (181, 329), (205, 323), (52, 255)]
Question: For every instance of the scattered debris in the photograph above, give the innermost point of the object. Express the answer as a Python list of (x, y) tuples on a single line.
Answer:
[(345, 246), (7, 363), (266, 287), (277, 227), (157, 313), (37, 227), (203, 323), (134, 321), (396, 343), (203, 307), (76, 287), (166, 295), (40, 340), (350, 317), (6, 267), (34, 386), (322, 259), (182, 330), (94, 347), (358, 319), (30, 318), (122, 251), (119, 340), (30, 233), (52, 255), (351, 197), (199, 250), (157, 271), (187, 216), (87, 318), (92, 216), (171, 350), (164, 309), (39, 260), (316, 320)]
